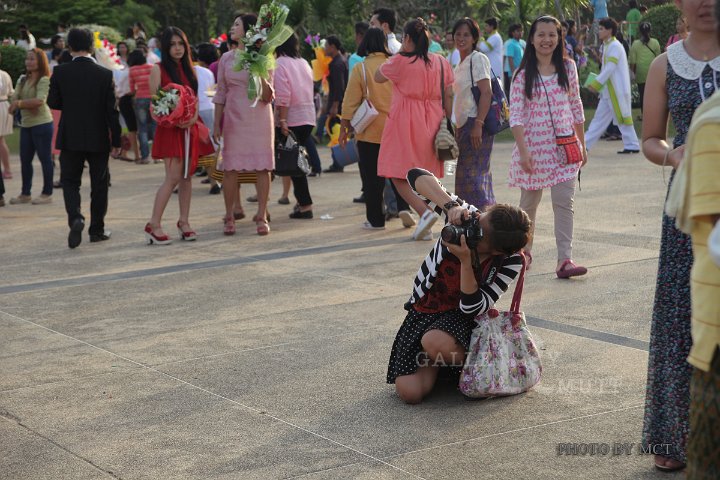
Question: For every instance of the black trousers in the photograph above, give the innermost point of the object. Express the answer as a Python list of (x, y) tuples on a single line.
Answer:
[(372, 185), (71, 170), (641, 91), (2, 182), (301, 189)]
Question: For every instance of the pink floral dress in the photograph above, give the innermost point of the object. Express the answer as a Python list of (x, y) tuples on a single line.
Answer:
[(534, 115)]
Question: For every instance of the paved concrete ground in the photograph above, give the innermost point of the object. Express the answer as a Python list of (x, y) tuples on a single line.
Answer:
[(260, 358)]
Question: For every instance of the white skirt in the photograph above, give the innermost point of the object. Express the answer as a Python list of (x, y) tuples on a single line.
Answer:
[(6, 120)]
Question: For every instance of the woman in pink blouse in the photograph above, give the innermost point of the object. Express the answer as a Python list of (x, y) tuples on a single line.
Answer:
[(295, 110), (247, 133), (545, 92)]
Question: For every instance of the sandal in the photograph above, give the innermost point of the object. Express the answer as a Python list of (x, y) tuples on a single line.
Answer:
[(187, 235), (569, 269), (665, 468), (256, 217), (263, 228), (229, 228)]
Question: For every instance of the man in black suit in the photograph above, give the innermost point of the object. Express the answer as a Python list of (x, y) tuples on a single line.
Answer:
[(85, 94)]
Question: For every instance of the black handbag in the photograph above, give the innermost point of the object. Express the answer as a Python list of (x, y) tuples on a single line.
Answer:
[(291, 159)]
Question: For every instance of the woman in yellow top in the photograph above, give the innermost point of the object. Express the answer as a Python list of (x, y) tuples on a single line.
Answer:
[(362, 79), (699, 216), (36, 126)]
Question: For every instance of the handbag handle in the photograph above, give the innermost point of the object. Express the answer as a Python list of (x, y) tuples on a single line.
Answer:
[(442, 86), (367, 88), (517, 296)]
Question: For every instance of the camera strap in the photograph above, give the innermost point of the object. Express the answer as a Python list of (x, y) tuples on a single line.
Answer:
[(492, 268)]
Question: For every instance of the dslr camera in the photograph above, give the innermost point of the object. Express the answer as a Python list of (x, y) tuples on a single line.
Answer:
[(470, 228)]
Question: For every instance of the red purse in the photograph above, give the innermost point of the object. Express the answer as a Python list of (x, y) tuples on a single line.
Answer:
[(568, 146)]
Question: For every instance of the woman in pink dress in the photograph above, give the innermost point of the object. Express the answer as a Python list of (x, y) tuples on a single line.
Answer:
[(247, 132), (408, 140), (545, 92)]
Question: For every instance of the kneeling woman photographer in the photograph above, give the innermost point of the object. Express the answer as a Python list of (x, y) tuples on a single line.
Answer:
[(455, 283)]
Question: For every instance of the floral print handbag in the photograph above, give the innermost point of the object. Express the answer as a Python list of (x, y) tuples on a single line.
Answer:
[(502, 358)]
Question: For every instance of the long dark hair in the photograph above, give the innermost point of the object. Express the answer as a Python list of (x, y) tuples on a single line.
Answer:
[(529, 61), (418, 32), (170, 65), (644, 29), (374, 41)]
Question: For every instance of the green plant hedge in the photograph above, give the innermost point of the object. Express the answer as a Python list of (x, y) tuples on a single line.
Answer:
[(13, 60), (663, 19)]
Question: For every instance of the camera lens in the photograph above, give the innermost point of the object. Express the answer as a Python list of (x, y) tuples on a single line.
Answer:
[(452, 233)]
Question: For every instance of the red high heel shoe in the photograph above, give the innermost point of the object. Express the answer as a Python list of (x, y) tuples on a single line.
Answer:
[(155, 239), (229, 228), (189, 236)]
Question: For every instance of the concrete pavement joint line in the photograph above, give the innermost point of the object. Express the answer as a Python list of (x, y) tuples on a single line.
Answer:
[(231, 261), (516, 430), (217, 395), (588, 333), (12, 419)]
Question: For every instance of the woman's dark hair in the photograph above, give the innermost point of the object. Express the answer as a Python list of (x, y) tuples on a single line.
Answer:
[(170, 65), (207, 53), (644, 29), (374, 41), (291, 48), (529, 61), (141, 27), (510, 228), (418, 32), (249, 20), (472, 26), (633, 4), (609, 24), (55, 51), (570, 26), (136, 57), (80, 39), (223, 48), (129, 32)]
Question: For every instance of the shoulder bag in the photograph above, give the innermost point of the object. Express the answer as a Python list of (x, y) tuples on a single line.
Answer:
[(502, 358), (446, 146), (568, 146), (366, 113), (498, 117)]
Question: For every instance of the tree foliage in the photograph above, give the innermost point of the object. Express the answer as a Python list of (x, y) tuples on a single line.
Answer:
[(12, 60)]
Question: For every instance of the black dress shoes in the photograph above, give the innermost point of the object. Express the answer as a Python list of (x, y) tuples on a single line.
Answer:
[(627, 151), (100, 237), (75, 235), (297, 214), (360, 199)]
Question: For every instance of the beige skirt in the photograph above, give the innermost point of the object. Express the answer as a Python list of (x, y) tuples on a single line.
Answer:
[(6, 120)]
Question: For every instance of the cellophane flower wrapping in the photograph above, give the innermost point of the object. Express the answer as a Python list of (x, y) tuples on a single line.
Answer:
[(173, 105), (260, 42)]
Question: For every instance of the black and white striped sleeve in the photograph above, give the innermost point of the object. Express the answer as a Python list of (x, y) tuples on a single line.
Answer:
[(415, 173), (486, 295)]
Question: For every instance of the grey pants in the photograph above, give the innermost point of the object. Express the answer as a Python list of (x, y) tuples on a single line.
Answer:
[(563, 196)]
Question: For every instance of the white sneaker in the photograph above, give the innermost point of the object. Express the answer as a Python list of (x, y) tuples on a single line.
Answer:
[(407, 218), (427, 237), (368, 226), (425, 224)]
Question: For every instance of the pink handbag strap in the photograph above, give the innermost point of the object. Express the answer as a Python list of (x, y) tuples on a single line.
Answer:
[(517, 296)]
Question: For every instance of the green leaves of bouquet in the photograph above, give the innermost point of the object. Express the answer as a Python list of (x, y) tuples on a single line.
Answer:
[(260, 42)]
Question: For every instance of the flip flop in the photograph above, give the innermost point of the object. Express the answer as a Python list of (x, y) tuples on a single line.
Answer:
[(569, 269)]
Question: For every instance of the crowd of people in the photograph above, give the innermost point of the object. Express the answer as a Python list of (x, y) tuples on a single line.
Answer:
[(413, 90)]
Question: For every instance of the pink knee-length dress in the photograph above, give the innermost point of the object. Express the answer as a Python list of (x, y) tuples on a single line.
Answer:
[(248, 132), (408, 140)]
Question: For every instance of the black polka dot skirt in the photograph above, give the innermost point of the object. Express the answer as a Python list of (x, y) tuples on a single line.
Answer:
[(407, 353)]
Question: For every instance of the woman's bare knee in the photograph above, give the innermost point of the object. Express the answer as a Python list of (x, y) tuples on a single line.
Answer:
[(441, 348), (409, 389)]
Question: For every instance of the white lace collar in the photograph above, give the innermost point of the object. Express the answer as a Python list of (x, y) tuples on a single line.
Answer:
[(685, 66)]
